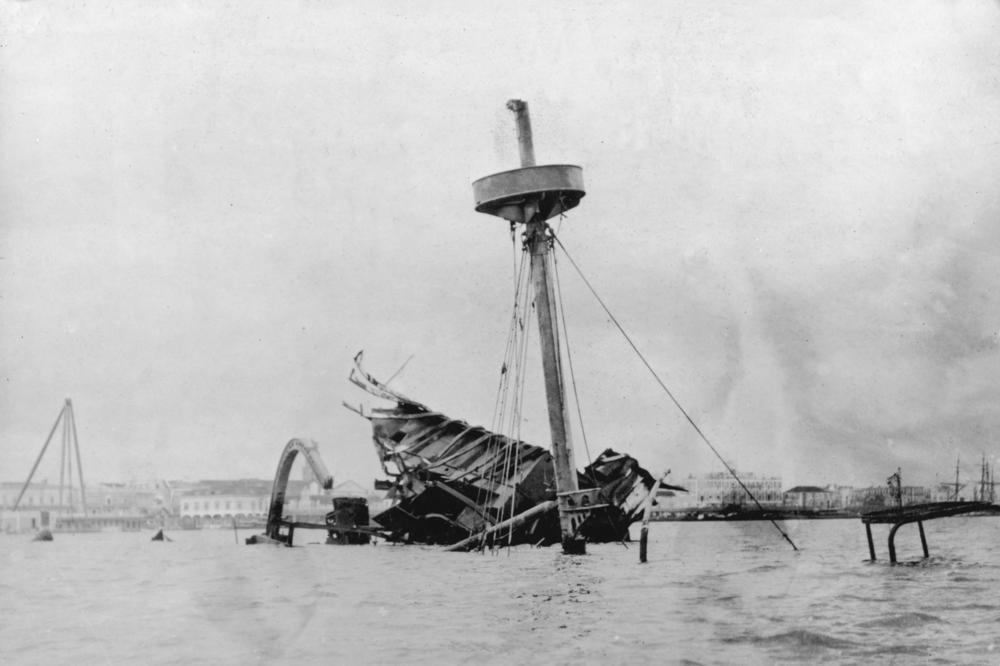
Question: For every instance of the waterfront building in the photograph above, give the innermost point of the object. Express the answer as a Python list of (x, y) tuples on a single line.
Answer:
[(39, 496), (109, 505), (811, 497), (23, 520), (219, 502), (717, 490), (720, 489), (157, 503), (121, 499), (40, 501), (878, 497)]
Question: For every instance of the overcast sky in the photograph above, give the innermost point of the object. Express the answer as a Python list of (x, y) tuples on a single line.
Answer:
[(206, 209)]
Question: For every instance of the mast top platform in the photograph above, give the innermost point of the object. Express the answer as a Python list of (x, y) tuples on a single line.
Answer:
[(554, 188), (531, 192)]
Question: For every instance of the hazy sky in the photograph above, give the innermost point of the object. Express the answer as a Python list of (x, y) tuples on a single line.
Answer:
[(206, 209)]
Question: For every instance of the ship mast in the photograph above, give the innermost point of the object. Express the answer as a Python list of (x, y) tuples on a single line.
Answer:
[(957, 486), (530, 196)]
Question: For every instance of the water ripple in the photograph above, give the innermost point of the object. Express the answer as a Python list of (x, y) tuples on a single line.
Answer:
[(901, 620), (710, 594)]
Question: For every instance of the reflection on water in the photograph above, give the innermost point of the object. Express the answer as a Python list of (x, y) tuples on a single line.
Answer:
[(711, 593)]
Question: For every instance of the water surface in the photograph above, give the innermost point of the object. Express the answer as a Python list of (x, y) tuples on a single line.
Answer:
[(712, 593)]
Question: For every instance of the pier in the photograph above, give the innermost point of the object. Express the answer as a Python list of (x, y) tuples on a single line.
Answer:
[(918, 513)]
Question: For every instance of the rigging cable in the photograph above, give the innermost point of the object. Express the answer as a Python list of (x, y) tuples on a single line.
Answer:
[(505, 463), (667, 390), (516, 415), (512, 462), (502, 402)]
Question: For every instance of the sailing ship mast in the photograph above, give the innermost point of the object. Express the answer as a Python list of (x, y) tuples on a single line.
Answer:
[(531, 195), (987, 486), (953, 497)]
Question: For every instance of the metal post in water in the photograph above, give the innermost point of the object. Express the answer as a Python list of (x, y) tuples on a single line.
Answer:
[(646, 513)]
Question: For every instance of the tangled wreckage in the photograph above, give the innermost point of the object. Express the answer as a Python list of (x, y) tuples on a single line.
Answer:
[(463, 486), (460, 485)]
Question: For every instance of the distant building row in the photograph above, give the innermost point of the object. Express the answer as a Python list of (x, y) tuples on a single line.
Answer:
[(186, 504), (720, 490)]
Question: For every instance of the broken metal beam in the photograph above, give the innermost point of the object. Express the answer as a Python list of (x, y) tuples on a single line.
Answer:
[(511, 523)]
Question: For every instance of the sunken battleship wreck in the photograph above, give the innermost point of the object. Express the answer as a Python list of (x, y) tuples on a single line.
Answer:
[(463, 486)]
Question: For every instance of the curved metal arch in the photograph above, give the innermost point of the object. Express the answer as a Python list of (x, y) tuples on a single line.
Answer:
[(295, 447)]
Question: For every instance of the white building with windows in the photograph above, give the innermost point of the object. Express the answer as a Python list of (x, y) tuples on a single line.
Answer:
[(812, 498), (716, 490), (219, 502)]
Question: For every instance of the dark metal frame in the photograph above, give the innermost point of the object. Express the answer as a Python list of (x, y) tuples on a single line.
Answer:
[(918, 513)]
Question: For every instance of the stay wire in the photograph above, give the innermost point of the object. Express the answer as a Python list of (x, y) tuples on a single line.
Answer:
[(669, 393)]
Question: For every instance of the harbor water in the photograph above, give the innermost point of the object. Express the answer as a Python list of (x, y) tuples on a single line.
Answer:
[(711, 593)]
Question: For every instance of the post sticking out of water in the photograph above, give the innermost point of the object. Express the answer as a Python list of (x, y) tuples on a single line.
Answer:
[(531, 195), (646, 513)]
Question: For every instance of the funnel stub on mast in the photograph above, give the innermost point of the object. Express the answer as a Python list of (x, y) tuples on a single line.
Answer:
[(555, 188)]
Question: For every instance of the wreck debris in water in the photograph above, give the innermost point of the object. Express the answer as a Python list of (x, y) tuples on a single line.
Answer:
[(346, 524), (901, 514), (457, 484)]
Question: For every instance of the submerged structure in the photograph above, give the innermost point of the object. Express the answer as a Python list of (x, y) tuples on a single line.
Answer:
[(464, 486), (901, 514)]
